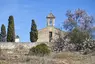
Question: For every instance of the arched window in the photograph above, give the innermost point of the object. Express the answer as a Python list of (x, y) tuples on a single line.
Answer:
[(50, 22)]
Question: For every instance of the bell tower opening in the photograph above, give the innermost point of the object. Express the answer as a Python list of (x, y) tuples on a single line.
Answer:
[(50, 20)]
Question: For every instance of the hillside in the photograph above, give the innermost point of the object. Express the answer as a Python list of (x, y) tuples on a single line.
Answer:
[(19, 57)]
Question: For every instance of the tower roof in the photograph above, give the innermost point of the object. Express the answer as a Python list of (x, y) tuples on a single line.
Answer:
[(17, 36), (50, 16)]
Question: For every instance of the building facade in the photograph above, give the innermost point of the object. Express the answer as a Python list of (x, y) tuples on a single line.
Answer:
[(49, 33), (17, 39)]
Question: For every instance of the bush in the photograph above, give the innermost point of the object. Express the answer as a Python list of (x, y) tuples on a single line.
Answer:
[(40, 50), (0, 51)]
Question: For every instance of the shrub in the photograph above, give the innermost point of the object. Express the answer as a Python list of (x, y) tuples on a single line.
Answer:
[(0, 51), (40, 50)]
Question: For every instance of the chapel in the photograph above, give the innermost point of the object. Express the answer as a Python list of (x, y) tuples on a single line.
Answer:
[(50, 33)]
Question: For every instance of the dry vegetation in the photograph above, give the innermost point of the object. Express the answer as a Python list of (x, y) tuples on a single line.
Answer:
[(53, 58)]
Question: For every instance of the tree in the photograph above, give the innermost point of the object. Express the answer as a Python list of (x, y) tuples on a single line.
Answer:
[(33, 32), (3, 33), (79, 19), (0, 38), (77, 37), (11, 30), (79, 27)]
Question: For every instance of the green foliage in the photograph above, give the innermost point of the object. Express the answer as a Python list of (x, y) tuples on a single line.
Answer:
[(3, 33), (3, 30), (40, 50), (79, 27), (0, 38), (34, 32), (78, 37), (0, 50), (11, 30)]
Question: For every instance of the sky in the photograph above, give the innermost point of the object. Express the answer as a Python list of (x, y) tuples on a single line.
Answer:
[(24, 11)]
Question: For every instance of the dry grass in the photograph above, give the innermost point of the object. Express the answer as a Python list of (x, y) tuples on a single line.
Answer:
[(53, 58), (75, 58)]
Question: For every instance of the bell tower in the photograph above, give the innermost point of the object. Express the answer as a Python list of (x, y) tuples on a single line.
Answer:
[(50, 20)]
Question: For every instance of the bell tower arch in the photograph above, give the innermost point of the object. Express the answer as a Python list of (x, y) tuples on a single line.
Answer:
[(50, 20)]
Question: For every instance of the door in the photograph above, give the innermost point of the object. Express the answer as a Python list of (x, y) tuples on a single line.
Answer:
[(50, 36)]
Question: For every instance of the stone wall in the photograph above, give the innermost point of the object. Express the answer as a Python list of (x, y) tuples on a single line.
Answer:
[(26, 45), (43, 34), (13, 45), (18, 48)]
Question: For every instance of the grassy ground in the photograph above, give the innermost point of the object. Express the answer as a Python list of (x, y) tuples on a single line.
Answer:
[(53, 58), (75, 58)]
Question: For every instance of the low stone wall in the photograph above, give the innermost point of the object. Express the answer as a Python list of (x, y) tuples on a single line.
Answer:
[(27, 45), (13, 45), (17, 48)]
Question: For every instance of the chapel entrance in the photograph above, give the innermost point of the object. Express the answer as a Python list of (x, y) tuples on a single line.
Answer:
[(50, 36)]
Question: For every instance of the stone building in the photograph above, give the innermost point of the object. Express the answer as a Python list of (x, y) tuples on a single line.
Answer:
[(17, 39), (49, 33)]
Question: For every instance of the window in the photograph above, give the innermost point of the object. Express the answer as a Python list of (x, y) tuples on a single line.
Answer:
[(50, 36), (50, 22)]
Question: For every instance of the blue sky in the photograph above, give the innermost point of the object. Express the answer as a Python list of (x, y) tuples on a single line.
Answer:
[(26, 10)]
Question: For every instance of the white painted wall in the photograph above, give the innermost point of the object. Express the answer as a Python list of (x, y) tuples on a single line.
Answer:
[(17, 40)]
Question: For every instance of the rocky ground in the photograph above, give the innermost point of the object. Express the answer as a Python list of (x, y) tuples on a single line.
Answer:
[(53, 58)]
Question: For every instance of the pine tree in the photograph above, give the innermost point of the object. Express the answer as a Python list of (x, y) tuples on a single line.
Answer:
[(11, 30), (0, 38), (33, 32), (3, 33)]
